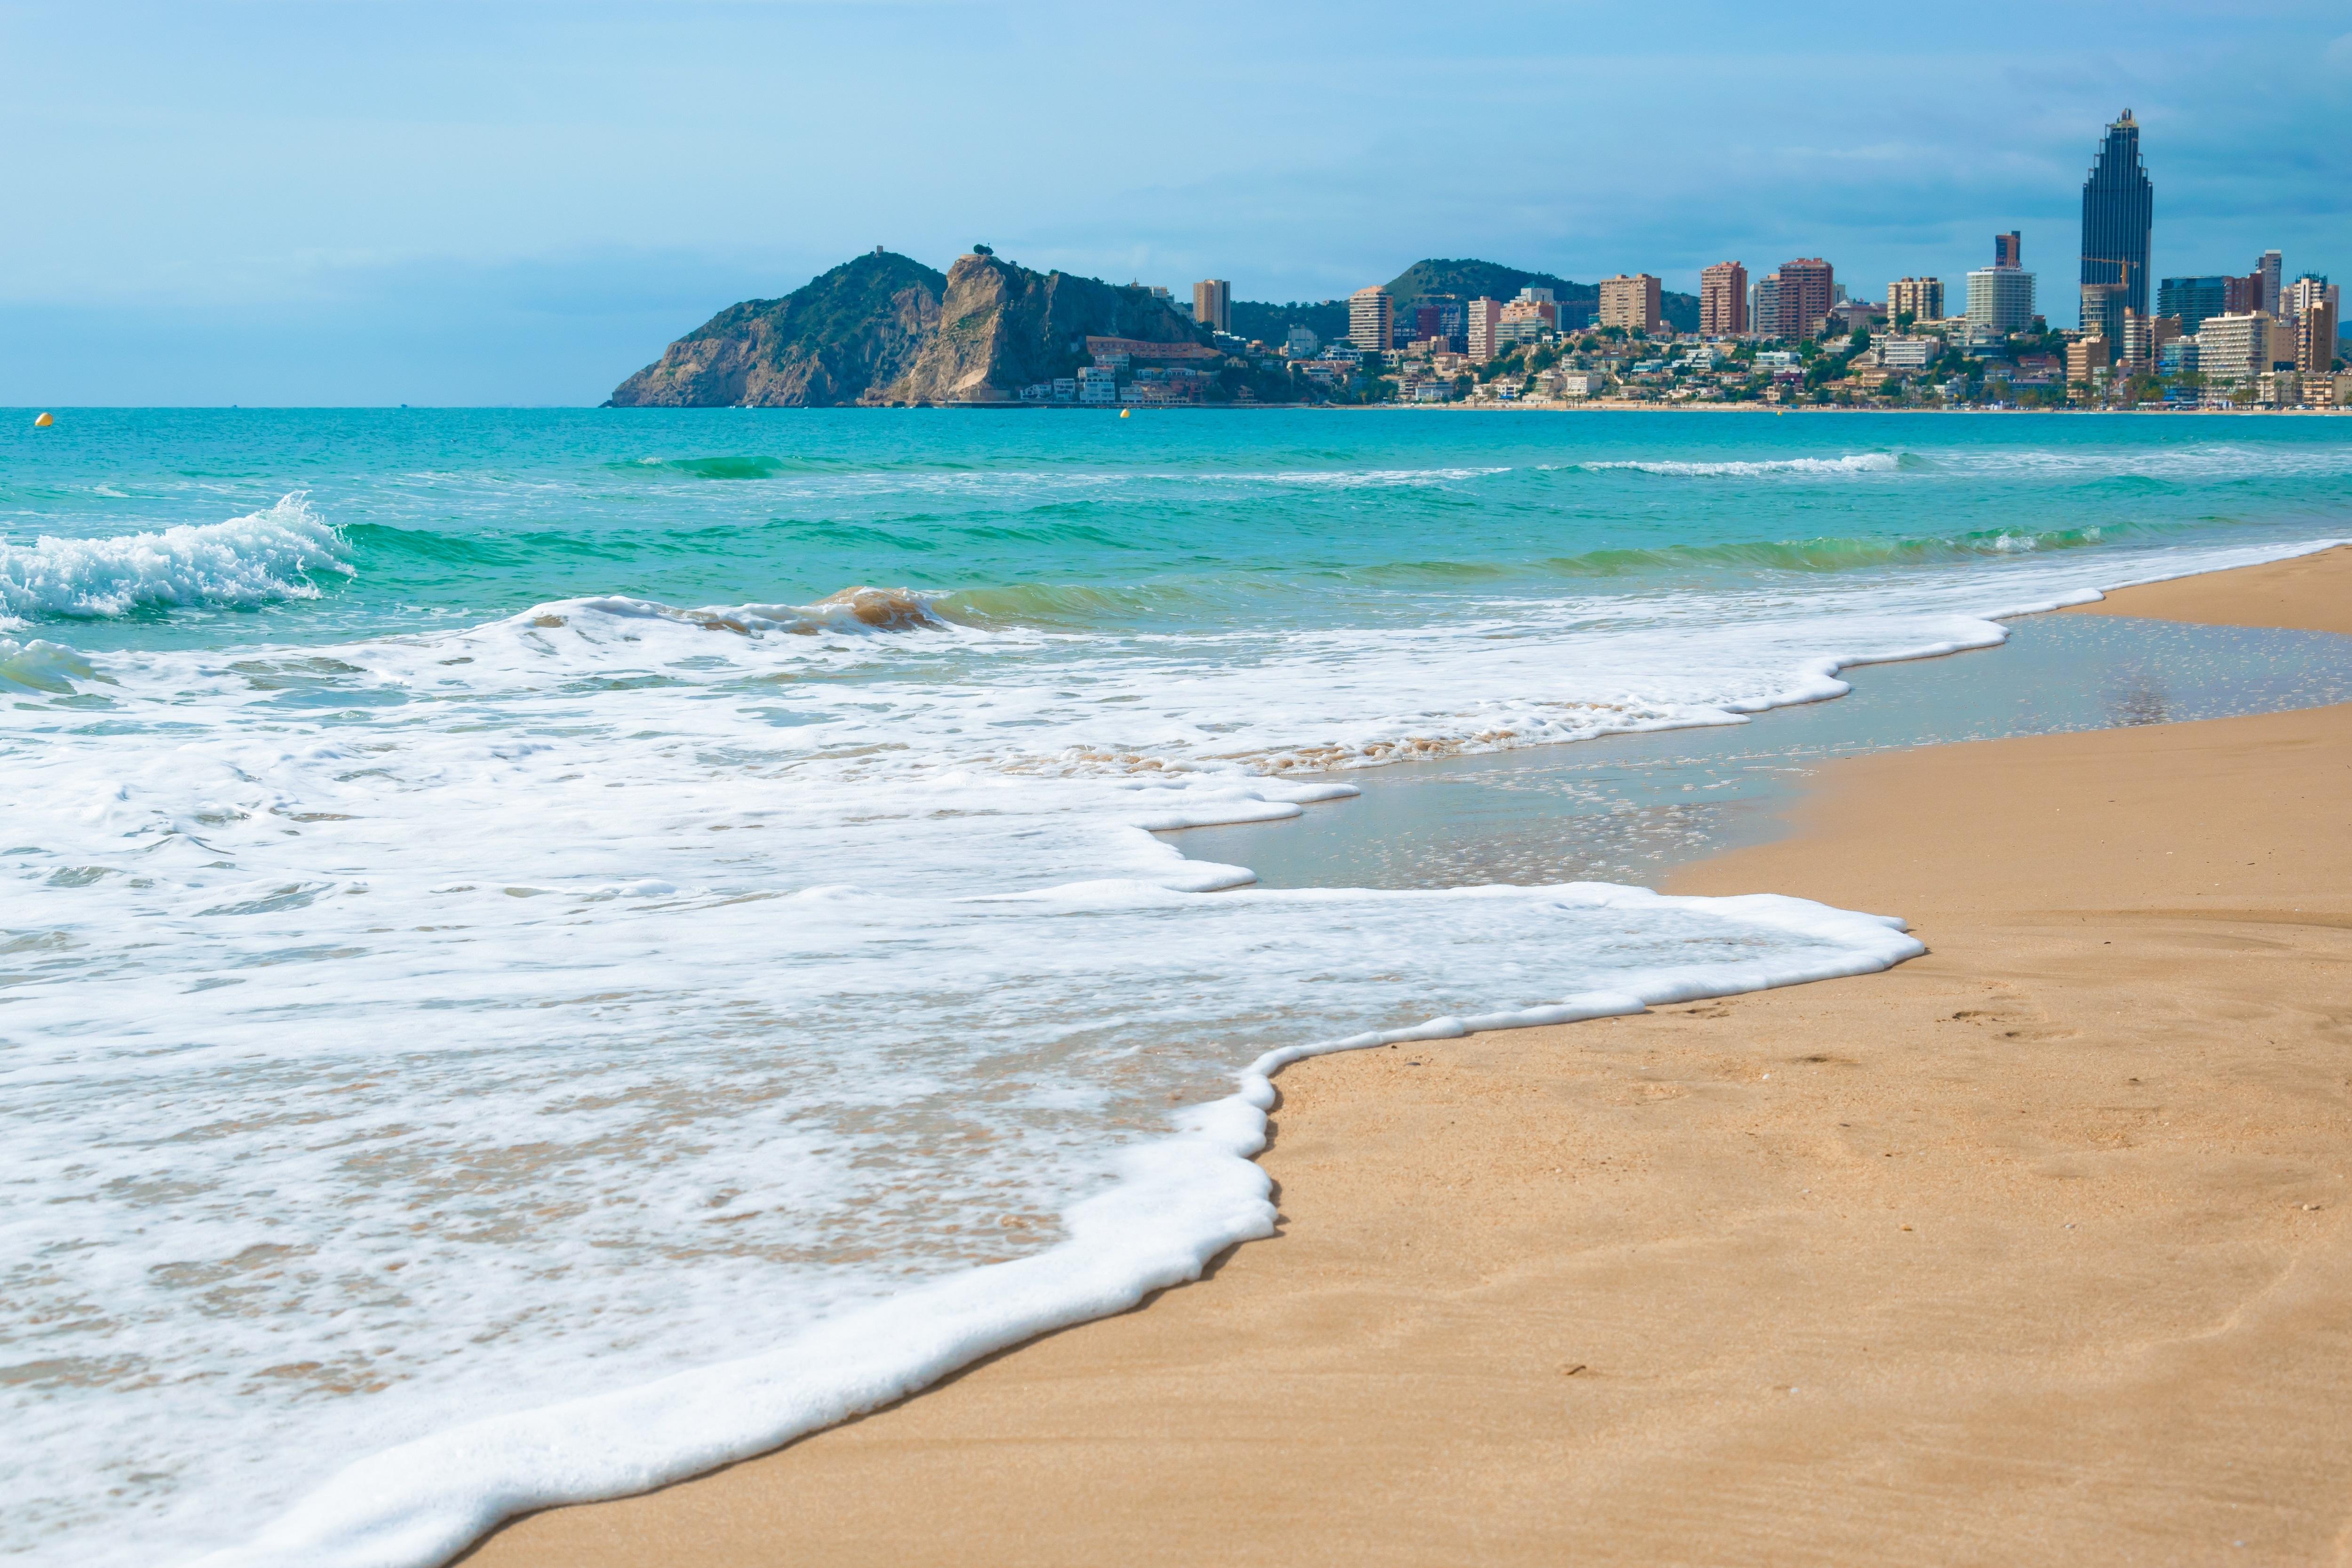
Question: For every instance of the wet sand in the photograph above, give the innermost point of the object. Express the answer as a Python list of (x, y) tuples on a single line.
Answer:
[(2033, 1250)]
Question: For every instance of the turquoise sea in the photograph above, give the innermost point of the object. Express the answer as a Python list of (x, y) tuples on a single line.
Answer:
[(545, 950)]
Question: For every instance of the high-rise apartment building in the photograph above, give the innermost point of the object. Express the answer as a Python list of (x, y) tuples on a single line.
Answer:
[(1479, 320), (2000, 302), (1922, 299), (1764, 306), (2118, 215), (2009, 249), (2191, 300), (1213, 304), (2144, 339), (2269, 269), (1808, 290), (2315, 337), (1723, 300), (1630, 300), (1371, 320), (2308, 290), (1546, 307), (2235, 349)]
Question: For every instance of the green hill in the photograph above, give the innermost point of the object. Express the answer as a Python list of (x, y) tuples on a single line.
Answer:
[(1327, 319), (835, 340), (1472, 279), (1480, 279)]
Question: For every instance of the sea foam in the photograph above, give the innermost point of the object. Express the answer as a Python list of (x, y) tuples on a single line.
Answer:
[(734, 1016), (258, 559)]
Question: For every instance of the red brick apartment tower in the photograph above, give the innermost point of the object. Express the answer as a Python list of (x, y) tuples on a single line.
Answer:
[(1723, 300), (1808, 290)]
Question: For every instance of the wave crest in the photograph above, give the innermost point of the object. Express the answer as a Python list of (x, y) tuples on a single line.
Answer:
[(859, 609), (258, 559), (1852, 463)]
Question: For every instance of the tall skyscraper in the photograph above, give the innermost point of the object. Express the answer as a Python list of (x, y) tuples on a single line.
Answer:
[(2268, 269), (1723, 300), (1213, 304), (1922, 299), (2009, 249), (2118, 214), (1808, 290), (1371, 319)]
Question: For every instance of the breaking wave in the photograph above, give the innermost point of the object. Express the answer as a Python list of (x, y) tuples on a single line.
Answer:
[(850, 610), (261, 558), (1852, 463)]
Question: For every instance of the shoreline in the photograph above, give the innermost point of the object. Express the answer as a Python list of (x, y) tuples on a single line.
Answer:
[(1392, 1337)]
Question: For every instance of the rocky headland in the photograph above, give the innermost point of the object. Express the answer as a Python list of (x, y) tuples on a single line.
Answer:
[(886, 329)]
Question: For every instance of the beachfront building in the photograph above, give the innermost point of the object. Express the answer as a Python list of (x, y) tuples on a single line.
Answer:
[(2191, 300), (1723, 300), (2118, 214), (2236, 350), (1630, 300), (1098, 383), (1371, 319), (2144, 339), (1922, 299), (1213, 304)]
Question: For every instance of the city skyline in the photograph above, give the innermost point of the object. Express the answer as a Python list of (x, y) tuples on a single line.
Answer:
[(290, 204)]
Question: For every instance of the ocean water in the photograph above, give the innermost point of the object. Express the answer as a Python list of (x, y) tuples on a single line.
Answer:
[(543, 952)]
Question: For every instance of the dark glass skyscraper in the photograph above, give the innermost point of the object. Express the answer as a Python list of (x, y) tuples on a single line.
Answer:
[(2118, 211)]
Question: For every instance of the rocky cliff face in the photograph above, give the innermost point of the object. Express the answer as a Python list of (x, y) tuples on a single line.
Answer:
[(843, 338), (1003, 327), (883, 329)]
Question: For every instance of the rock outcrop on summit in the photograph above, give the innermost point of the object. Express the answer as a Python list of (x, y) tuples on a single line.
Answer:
[(884, 329)]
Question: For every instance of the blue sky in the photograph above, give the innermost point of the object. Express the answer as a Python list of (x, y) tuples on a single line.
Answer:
[(347, 201)]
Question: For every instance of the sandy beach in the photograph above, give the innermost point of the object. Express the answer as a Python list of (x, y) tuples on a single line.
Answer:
[(2033, 1250)]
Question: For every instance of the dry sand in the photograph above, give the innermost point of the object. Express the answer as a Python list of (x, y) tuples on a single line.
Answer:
[(2033, 1250)]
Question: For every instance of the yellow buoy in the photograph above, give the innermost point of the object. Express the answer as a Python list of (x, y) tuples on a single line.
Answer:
[(46, 419), (1125, 412)]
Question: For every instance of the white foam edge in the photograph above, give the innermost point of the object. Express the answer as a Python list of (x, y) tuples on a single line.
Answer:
[(1179, 1202), (1824, 684)]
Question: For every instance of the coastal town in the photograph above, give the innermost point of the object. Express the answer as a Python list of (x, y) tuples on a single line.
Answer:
[(1793, 336)]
